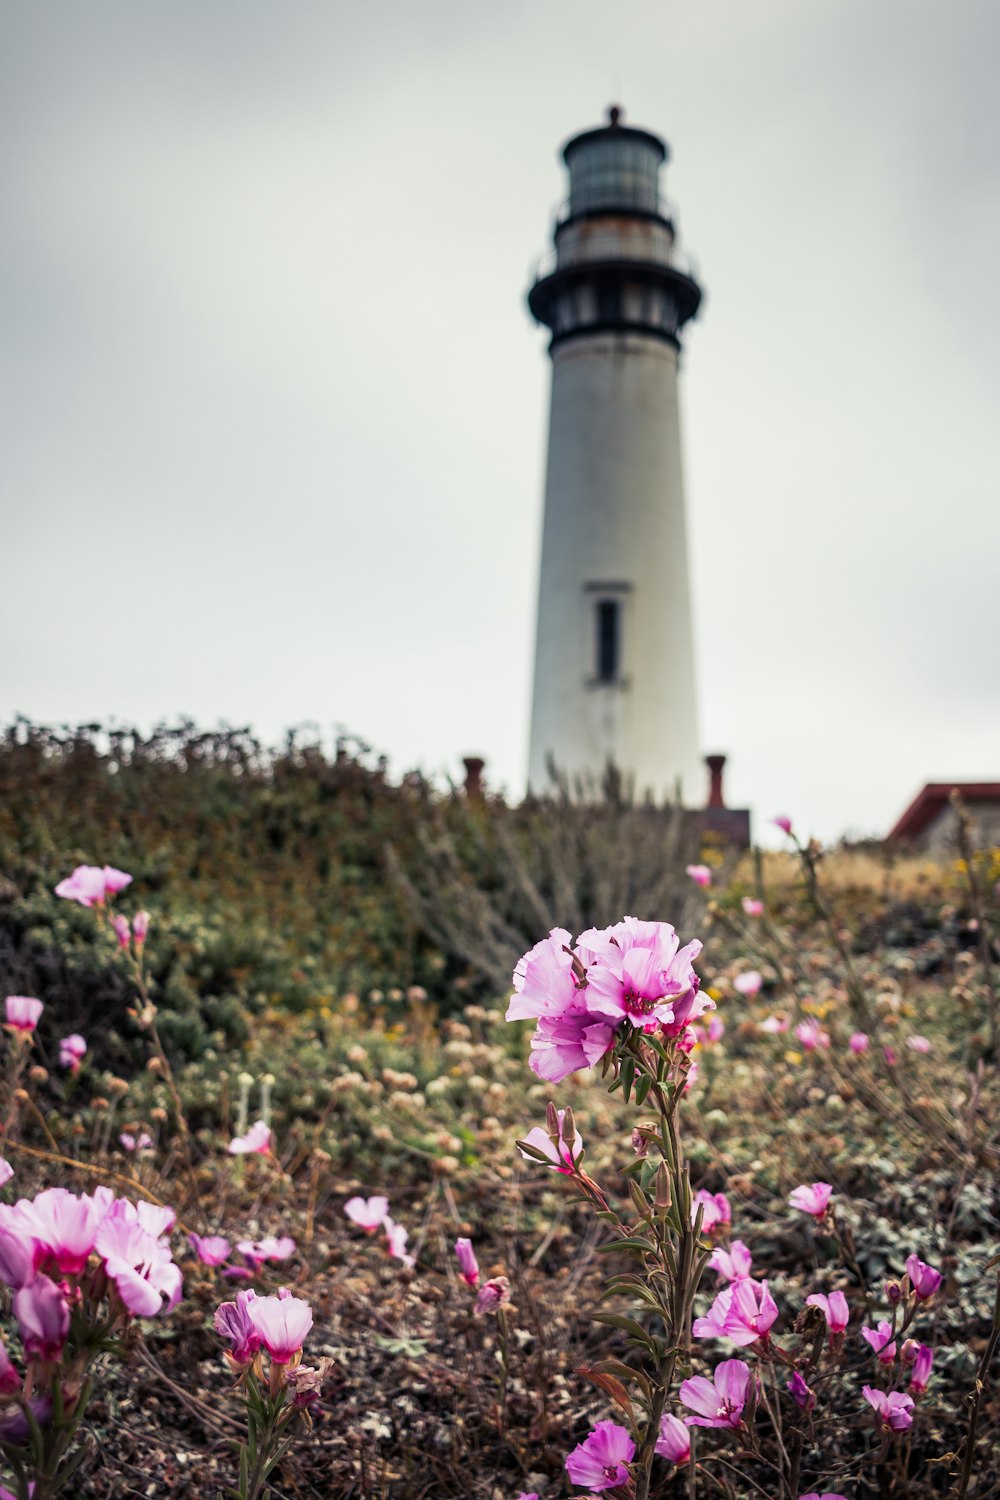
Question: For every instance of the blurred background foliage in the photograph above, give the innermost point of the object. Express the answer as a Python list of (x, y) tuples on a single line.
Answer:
[(287, 877)]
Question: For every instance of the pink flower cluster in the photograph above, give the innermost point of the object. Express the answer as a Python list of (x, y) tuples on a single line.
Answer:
[(93, 885), (278, 1324), (742, 1312), (215, 1250), (633, 973), (59, 1251), (372, 1214)]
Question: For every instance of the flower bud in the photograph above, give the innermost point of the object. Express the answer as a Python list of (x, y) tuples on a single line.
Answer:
[(664, 1197)]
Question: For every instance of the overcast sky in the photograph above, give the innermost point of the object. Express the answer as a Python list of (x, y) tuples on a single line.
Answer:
[(272, 409)]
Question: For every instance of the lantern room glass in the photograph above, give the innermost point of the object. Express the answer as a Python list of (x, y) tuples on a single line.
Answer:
[(614, 171)]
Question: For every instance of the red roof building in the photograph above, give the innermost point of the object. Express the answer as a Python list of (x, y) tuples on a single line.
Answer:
[(930, 822)]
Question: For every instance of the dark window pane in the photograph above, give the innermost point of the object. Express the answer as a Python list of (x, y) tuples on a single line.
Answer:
[(608, 644)]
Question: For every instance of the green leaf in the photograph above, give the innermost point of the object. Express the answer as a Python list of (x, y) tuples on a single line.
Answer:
[(626, 1244), (643, 1087), (627, 1325), (628, 1076), (534, 1153)]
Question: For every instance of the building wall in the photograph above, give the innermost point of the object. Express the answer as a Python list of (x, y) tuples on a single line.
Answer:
[(614, 521), (940, 837)]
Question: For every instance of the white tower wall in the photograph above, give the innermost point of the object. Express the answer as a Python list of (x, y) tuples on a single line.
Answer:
[(615, 530), (614, 659)]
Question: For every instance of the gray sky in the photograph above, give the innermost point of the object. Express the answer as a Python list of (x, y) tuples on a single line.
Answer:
[(272, 410)]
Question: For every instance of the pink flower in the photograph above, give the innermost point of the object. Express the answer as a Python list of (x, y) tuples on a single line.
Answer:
[(803, 1396), (713, 1324), (718, 1402), (17, 1252), (881, 1341), (91, 885), (72, 1050), (10, 1380), (306, 1384), (700, 874), (924, 1280), (140, 927), (674, 1441), (14, 1424), (545, 980), (283, 1323), (368, 1213), (63, 1226), (138, 1261), (717, 1213), (814, 1199), (599, 1462), (6, 1171), (257, 1141), (276, 1248), (889, 1053), (122, 930), (644, 975), (567, 1043), (922, 1366), (562, 1156), (811, 1035), (733, 1263), (42, 1314), (751, 1312), (784, 823), (131, 1143), (918, 1044), (775, 1024), (233, 1322), (752, 907), (716, 1029), (748, 984), (834, 1309), (23, 1013), (86, 885), (493, 1294), (395, 1238), (826, 1495), (858, 1041), (211, 1249), (259, 1251), (468, 1264), (894, 1409)]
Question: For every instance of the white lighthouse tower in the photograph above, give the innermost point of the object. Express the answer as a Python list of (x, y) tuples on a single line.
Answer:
[(614, 658)]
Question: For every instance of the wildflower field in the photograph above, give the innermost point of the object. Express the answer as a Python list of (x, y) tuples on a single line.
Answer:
[(359, 1141)]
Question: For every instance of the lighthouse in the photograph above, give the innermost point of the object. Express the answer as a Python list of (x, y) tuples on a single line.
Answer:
[(614, 657)]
